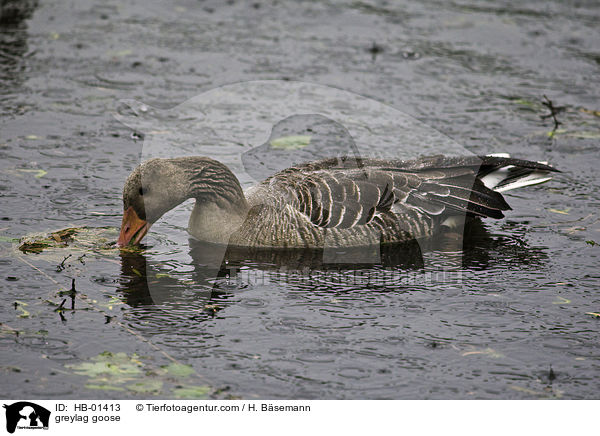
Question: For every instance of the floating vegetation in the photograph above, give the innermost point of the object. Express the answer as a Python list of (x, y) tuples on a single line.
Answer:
[(294, 142), (592, 243), (561, 211), (553, 133), (580, 127), (490, 352), (36, 173), (114, 368), (548, 392), (71, 294), (122, 372), (178, 370), (38, 243), (78, 238), (554, 111), (147, 387), (120, 53), (561, 300), (589, 111), (191, 392), (534, 105), (104, 387), (61, 266), (20, 306), (579, 134)]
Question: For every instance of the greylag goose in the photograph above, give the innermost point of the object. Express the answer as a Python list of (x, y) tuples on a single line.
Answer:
[(333, 202)]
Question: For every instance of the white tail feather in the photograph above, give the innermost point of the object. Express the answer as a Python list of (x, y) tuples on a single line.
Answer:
[(495, 178), (498, 155), (532, 179)]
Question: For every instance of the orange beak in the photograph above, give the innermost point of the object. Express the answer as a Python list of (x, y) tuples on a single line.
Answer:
[(133, 228)]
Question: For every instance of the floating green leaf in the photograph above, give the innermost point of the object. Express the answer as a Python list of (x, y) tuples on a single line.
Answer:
[(486, 352), (294, 142), (192, 392), (583, 134), (120, 53), (108, 364), (528, 103), (561, 211), (115, 300), (547, 393), (37, 173), (146, 386), (123, 372), (21, 307), (104, 387), (178, 370), (589, 111), (561, 300)]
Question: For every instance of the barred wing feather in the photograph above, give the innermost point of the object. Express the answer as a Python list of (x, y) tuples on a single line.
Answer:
[(347, 193)]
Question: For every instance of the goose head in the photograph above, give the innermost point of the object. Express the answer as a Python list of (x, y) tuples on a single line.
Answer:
[(159, 185)]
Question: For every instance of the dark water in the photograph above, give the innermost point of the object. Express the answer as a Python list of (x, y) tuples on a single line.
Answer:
[(475, 71)]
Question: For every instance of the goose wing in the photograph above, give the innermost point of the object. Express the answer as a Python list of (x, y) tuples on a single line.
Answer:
[(347, 193)]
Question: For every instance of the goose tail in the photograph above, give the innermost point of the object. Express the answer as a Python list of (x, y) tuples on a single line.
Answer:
[(501, 173)]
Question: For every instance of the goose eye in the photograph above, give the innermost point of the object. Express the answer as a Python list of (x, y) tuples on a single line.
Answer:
[(143, 191)]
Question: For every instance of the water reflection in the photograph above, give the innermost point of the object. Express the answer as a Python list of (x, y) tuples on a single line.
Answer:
[(134, 286), (218, 272), (13, 41)]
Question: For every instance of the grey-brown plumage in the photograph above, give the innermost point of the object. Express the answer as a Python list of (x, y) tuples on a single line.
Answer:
[(334, 202)]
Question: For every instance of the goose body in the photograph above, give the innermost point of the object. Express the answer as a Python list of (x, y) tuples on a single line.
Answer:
[(337, 202)]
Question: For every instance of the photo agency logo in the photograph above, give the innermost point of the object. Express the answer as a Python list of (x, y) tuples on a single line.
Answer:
[(24, 415), (296, 175)]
